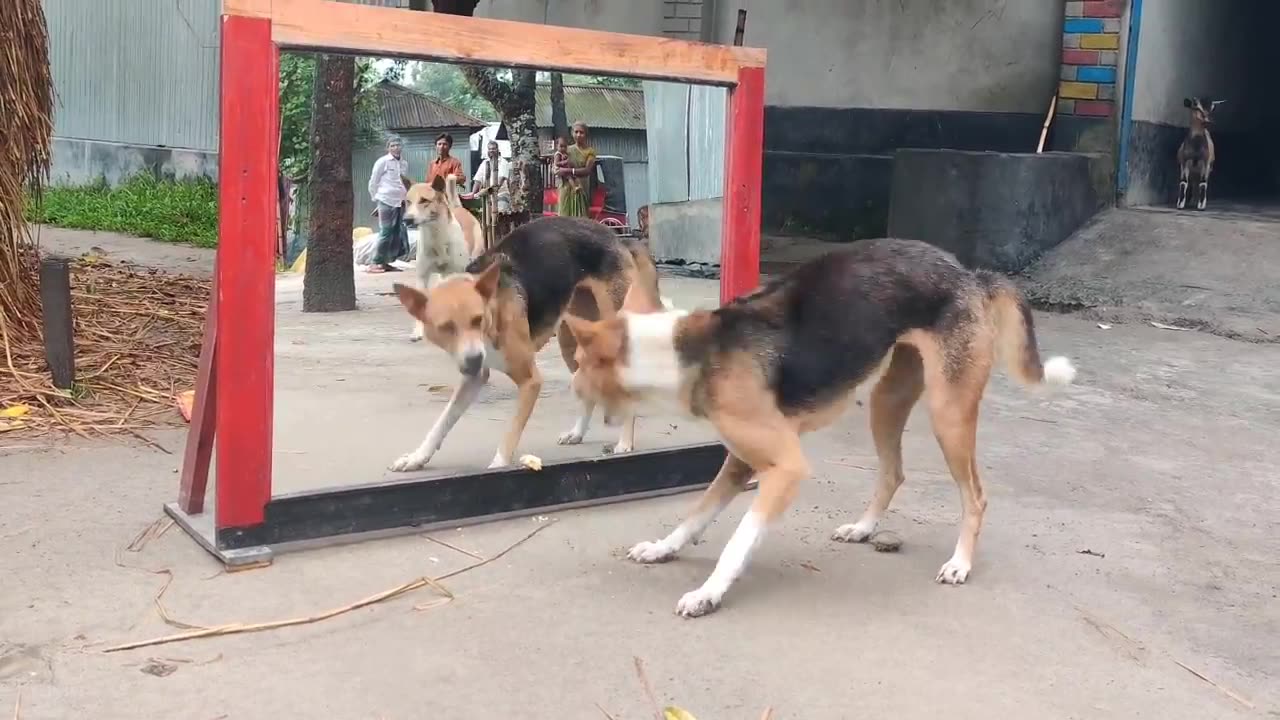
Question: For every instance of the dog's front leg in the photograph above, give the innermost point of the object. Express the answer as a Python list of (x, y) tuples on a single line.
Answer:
[(627, 440), (463, 396), (579, 430), (528, 385), (730, 481)]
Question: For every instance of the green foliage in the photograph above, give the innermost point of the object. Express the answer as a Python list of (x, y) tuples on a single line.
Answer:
[(184, 211), (447, 83), (601, 80), (297, 89)]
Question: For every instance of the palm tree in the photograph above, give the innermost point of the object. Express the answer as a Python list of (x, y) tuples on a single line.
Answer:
[(26, 130)]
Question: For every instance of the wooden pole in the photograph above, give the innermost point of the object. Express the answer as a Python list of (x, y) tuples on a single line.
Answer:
[(1048, 118), (59, 330)]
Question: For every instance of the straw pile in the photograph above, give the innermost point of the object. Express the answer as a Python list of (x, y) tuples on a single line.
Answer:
[(26, 132), (138, 333)]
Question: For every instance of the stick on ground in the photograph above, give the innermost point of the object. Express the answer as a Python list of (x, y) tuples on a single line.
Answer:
[(239, 628)]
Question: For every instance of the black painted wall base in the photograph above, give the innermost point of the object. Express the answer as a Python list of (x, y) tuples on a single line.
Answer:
[(457, 498), (828, 171)]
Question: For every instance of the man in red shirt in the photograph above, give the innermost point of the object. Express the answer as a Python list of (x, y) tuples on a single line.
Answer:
[(445, 164)]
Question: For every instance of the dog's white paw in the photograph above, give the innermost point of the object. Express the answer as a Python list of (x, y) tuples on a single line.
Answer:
[(954, 572), (617, 448), (571, 437), (410, 462), (652, 552), (499, 462), (854, 532), (697, 603), (415, 337)]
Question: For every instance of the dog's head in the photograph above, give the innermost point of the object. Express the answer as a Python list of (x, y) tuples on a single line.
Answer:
[(601, 358), (428, 204), (1201, 110), (456, 314)]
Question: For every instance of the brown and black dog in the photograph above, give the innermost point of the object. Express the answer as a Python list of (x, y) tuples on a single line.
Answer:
[(898, 316), (506, 306)]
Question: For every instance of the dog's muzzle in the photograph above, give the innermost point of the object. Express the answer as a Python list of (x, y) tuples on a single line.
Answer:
[(471, 364)]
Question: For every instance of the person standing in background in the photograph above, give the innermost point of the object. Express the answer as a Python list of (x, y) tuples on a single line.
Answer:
[(388, 185), (445, 164)]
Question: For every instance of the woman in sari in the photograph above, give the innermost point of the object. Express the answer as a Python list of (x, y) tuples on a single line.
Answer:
[(580, 166)]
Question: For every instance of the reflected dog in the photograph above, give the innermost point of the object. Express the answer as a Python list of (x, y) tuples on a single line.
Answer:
[(506, 306)]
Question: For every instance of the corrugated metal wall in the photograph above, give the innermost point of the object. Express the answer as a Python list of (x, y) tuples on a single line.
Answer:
[(139, 72), (686, 141)]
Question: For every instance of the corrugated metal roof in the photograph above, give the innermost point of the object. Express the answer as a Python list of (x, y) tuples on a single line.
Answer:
[(406, 109), (598, 106)]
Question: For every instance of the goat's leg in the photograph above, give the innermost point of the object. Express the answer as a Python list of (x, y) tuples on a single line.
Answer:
[(1184, 179), (1204, 188)]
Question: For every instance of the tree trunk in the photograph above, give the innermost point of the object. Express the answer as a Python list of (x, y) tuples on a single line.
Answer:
[(559, 119), (514, 102), (329, 282)]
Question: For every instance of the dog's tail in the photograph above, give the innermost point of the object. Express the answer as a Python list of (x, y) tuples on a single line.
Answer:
[(644, 295), (451, 191), (1016, 336)]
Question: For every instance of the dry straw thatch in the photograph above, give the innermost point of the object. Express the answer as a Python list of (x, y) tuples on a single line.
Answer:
[(26, 131)]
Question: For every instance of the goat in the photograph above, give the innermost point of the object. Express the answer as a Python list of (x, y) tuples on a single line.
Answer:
[(1196, 153)]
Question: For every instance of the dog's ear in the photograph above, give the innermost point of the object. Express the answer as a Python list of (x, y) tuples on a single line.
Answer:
[(1186, 102), (438, 183), (487, 281), (413, 299)]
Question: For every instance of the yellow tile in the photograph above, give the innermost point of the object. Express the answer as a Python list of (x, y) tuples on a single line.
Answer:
[(1104, 41), (1078, 90)]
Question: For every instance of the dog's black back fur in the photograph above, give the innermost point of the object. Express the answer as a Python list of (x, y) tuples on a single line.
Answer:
[(823, 327), (544, 261)]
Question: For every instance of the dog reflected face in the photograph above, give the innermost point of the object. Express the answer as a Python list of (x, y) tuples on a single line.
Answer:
[(426, 204), (601, 356), (455, 315)]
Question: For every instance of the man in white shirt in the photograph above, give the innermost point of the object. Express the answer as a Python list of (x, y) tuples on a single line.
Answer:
[(388, 185), (502, 184)]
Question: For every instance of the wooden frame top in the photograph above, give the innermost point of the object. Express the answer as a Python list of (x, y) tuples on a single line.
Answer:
[(340, 27)]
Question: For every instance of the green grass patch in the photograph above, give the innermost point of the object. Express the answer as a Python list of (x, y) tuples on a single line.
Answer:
[(180, 211)]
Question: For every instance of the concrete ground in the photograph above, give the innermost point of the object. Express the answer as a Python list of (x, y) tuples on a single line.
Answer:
[(1212, 270), (1130, 544)]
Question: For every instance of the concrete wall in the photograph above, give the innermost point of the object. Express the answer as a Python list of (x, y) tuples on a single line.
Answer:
[(640, 17), (978, 55), (1217, 50)]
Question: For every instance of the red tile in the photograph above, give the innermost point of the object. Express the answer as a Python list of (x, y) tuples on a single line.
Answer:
[(1079, 57), (1103, 8), (1094, 108)]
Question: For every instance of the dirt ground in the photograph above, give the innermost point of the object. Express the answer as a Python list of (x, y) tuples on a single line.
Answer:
[(1126, 568)]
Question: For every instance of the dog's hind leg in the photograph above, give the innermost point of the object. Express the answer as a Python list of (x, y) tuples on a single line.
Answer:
[(463, 396), (730, 481), (954, 396), (891, 402), (574, 435)]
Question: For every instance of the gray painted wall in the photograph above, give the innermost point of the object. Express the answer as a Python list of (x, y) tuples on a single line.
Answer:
[(988, 55), (638, 17)]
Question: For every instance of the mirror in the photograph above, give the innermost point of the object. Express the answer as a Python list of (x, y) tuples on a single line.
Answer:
[(355, 391)]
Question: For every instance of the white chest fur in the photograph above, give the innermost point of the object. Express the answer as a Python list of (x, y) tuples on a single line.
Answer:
[(652, 367)]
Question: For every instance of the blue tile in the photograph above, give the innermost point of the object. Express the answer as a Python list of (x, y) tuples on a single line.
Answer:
[(1083, 25), (1096, 74)]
